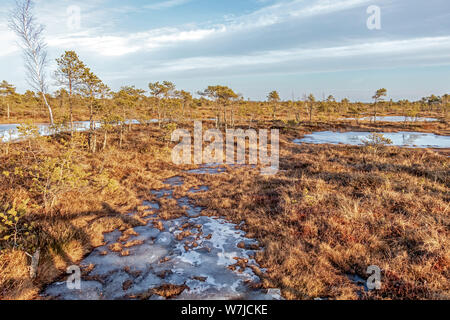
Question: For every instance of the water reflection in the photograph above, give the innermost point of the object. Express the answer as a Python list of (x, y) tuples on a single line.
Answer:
[(401, 139), (10, 132)]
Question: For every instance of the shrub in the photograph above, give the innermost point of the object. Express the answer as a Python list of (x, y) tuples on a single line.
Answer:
[(376, 141), (15, 231), (28, 130), (53, 176), (168, 130)]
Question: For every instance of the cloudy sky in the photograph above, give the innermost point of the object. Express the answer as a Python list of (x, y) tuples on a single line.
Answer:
[(254, 46)]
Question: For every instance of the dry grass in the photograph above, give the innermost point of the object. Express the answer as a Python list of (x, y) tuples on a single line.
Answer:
[(330, 212), (170, 290), (80, 216)]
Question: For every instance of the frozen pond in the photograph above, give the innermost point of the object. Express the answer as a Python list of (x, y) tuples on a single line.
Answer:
[(395, 119), (10, 132), (401, 139), (206, 257)]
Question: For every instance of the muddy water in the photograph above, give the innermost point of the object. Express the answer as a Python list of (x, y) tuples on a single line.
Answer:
[(401, 139), (203, 262)]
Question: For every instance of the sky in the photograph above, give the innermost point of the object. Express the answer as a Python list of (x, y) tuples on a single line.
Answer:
[(297, 47)]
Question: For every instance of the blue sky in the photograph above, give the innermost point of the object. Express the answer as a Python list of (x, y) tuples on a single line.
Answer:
[(253, 46)]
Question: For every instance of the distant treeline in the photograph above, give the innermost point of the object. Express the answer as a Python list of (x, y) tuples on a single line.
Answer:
[(83, 96)]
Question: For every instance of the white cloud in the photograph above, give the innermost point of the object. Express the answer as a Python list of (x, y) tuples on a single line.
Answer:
[(7, 40), (115, 44), (166, 4), (411, 49), (285, 37), (283, 11), (121, 45)]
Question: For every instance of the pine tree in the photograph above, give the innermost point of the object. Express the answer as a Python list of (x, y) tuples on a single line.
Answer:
[(92, 88), (6, 91), (274, 99), (380, 94), (69, 74), (162, 92)]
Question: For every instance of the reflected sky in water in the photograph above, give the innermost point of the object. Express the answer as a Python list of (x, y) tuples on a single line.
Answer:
[(401, 139), (10, 132)]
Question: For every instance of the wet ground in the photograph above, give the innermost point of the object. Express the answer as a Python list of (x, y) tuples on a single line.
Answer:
[(203, 257), (401, 139)]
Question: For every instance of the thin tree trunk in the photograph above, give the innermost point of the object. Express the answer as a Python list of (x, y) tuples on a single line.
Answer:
[(121, 136), (217, 110), (50, 112), (159, 113), (91, 127), (105, 139), (225, 117), (232, 117), (297, 117), (94, 149), (71, 105), (71, 116), (375, 112)]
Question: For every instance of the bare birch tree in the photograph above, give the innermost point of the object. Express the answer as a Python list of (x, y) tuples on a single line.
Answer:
[(23, 22)]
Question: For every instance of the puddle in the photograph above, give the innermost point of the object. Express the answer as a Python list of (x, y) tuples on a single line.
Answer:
[(206, 169), (395, 119), (217, 168), (358, 281), (210, 257), (401, 139), (153, 206), (184, 202), (174, 181), (163, 193)]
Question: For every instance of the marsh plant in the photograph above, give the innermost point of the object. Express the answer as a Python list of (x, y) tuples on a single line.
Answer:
[(15, 230), (376, 142)]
